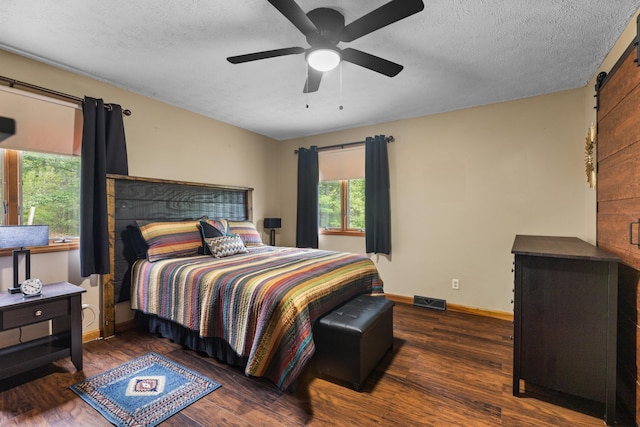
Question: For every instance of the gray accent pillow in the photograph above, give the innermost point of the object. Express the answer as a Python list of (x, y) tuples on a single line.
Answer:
[(224, 246)]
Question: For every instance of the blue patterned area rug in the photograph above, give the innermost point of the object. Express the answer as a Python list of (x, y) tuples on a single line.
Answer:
[(144, 391)]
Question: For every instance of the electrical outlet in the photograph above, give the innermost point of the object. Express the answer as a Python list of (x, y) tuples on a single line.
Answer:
[(455, 284)]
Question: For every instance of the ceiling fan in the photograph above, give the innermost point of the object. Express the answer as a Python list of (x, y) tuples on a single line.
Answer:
[(324, 28)]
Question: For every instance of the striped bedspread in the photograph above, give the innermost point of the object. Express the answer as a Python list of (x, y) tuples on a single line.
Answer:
[(262, 303)]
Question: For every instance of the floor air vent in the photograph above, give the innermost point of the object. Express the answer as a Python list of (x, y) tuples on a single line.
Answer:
[(434, 303)]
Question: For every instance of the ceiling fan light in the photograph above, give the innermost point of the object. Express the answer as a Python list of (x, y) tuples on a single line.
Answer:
[(323, 59)]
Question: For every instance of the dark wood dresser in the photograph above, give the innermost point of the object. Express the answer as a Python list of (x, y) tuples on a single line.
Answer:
[(565, 315)]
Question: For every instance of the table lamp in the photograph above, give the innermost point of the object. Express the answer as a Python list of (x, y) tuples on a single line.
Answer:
[(19, 237), (272, 224)]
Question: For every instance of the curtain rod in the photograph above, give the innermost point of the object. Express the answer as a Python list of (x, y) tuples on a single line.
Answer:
[(348, 144), (77, 100)]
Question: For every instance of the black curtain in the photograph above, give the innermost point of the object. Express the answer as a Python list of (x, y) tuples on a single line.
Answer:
[(377, 217), (307, 216), (104, 151)]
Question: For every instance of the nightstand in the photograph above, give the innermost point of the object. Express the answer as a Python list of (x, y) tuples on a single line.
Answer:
[(61, 303)]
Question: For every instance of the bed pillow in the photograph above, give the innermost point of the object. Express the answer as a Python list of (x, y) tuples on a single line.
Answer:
[(171, 239), (220, 224), (224, 246), (247, 232), (209, 230)]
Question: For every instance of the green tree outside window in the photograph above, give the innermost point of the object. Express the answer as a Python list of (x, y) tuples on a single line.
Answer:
[(341, 199), (51, 185)]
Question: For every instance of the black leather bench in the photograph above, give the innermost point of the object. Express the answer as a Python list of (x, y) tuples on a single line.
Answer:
[(352, 339)]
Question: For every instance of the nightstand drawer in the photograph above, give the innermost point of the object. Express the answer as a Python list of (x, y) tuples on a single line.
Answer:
[(32, 313)]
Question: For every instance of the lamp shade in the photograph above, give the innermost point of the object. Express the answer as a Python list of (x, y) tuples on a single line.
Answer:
[(272, 223), (323, 59), (22, 236)]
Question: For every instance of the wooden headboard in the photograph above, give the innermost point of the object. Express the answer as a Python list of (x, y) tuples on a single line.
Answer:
[(134, 198)]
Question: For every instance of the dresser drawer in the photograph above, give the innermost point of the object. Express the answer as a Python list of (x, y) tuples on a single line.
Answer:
[(32, 313)]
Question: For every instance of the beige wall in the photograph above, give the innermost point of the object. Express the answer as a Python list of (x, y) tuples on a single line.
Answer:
[(463, 184), (162, 142)]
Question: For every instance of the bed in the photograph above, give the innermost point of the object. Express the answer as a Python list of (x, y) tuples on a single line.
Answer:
[(247, 304)]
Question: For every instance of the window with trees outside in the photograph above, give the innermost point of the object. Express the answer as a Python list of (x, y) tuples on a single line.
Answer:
[(341, 191), (40, 164), (42, 189), (342, 205)]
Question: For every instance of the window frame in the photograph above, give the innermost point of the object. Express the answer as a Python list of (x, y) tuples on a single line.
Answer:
[(344, 206)]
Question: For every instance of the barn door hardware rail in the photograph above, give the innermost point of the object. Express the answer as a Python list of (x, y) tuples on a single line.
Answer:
[(631, 242)]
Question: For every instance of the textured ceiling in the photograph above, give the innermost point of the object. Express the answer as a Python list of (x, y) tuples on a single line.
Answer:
[(455, 53)]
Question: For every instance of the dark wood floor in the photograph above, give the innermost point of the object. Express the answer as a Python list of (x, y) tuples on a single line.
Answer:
[(445, 369)]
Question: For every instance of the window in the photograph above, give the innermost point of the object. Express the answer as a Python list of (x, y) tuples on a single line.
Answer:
[(341, 206), (341, 191), (40, 164), (42, 189)]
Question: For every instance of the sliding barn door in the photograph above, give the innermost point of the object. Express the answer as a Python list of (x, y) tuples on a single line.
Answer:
[(618, 186)]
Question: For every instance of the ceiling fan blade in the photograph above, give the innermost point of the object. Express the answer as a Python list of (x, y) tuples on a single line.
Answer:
[(386, 14), (293, 12), (313, 80), (264, 55), (372, 62)]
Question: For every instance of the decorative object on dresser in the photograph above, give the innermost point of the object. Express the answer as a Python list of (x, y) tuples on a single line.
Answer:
[(62, 305), (565, 318), (271, 224), (19, 237)]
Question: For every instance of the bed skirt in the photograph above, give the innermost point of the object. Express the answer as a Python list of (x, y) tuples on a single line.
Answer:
[(217, 348)]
